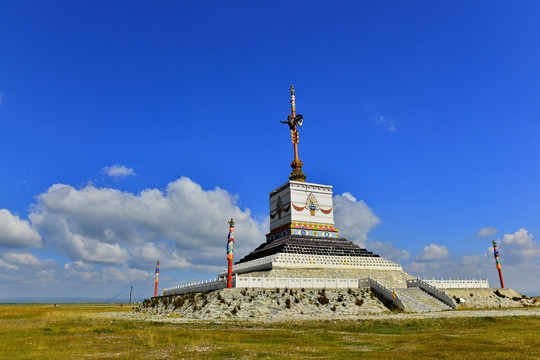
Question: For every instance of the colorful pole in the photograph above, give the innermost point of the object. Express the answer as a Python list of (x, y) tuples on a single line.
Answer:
[(230, 252), (498, 263), (156, 280)]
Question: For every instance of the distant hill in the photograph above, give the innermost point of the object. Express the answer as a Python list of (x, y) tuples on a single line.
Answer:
[(54, 300)]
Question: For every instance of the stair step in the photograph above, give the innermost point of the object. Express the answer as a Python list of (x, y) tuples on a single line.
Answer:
[(416, 299)]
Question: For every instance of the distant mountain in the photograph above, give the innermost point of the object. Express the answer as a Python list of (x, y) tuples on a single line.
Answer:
[(53, 300)]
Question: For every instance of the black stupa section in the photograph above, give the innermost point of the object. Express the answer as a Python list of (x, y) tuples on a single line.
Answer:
[(308, 245)]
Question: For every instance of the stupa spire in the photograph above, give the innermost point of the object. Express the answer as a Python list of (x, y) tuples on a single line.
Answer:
[(294, 121)]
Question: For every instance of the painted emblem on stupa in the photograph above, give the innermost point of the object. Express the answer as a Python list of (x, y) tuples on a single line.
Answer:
[(279, 208), (312, 205)]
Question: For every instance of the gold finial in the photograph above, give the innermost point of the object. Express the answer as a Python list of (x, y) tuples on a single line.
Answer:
[(231, 222), (493, 242), (157, 263), (294, 121)]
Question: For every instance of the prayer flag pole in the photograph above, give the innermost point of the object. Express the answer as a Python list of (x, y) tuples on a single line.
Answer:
[(156, 280), (498, 263), (230, 252)]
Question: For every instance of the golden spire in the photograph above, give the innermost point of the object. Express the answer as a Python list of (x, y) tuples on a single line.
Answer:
[(295, 121)]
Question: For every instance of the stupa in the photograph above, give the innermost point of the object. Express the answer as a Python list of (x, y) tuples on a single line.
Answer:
[(303, 248), (303, 240)]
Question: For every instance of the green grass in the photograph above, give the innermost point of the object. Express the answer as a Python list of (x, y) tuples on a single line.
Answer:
[(80, 332)]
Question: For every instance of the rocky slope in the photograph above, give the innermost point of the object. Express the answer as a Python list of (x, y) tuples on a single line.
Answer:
[(275, 303)]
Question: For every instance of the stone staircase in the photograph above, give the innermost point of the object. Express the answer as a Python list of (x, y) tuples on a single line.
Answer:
[(417, 300)]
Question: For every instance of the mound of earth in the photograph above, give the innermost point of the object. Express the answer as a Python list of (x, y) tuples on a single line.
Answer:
[(275, 303)]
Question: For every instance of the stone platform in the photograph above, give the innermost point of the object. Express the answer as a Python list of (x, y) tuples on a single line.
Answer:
[(311, 256), (316, 304)]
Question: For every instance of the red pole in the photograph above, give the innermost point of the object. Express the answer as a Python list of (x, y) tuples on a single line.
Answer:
[(230, 252), (156, 280), (498, 263)]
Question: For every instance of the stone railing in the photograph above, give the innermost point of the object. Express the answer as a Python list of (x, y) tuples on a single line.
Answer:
[(200, 286), (459, 283), (263, 263), (272, 283), (295, 283), (432, 290), (385, 292)]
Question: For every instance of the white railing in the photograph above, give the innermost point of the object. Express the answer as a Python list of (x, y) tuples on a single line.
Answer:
[(459, 283), (385, 292), (200, 286), (295, 283), (270, 283), (430, 289)]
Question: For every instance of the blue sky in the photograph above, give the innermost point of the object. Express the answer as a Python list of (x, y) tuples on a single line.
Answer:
[(133, 131)]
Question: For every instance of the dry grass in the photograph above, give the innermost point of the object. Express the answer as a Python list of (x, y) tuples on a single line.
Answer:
[(79, 332)]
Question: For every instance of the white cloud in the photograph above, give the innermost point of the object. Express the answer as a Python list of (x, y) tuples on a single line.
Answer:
[(353, 218), (168, 256), (8, 265), (110, 236), (27, 259), (385, 123), (486, 231), (387, 250), (77, 265), (185, 225), (118, 171), (432, 252), (15, 232), (519, 248)]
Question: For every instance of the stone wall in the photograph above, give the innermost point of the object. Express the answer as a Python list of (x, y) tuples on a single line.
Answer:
[(489, 298), (275, 303)]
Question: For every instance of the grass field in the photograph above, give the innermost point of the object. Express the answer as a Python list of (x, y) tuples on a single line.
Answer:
[(80, 332)]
